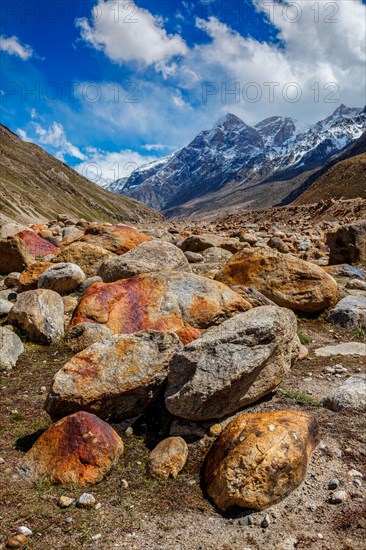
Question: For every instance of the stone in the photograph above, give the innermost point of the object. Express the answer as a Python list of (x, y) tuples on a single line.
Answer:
[(168, 458), (85, 334), (62, 278), (115, 238), (345, 271), (348, 348), (116, 378), (266, 521), (5, 307), (278, 244), (356, 284), (71, 234), (338, 497), (165, 301), (347, 244), (12, 280), (350, 312), (28, 279), (215, 254), (199, 243), (65, 502), (193, 257), (333, 484), (86, 500), (11, 229), (23, 530), (349, 396), (8, 294), (79, 449), (253, 296), (17, 541), (37, 246), (146, 258), (283, 278), (260, 458), (232, 365), (90, 281), (11, 348), (14, 255), (87, 256), (40, 314)]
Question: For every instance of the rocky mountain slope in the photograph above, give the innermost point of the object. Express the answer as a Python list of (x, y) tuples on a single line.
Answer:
[(234, 165), (34, 186)]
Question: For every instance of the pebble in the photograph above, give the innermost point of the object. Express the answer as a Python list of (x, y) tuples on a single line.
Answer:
[(129, 431), (98, 536), (333, 484), (2, 461), (124, 484), (42, 389), (355, 473), (338, 497), (246, 520), (69, 520), (17, 541), (266, 521), (357, 482), (65, 502), (86, 500), (23, 530), (98, 506)]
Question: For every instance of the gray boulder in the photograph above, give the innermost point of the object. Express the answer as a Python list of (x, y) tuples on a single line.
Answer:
[(40, 314), (350, 312), (351, 395), (147, 257), (11, 347), (194, 257), (232, 365), (347, 244), (5, 307), (62, 278)]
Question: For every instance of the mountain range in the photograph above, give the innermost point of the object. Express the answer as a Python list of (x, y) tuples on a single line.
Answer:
[(237, 166)]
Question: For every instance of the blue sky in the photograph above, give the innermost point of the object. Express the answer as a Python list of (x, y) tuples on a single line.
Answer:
[(107, 85)]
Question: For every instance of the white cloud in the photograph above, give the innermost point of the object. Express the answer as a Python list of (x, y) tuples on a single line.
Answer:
[(103, 167), (55, 136), (23, 135), (125, 32), (12, 46)]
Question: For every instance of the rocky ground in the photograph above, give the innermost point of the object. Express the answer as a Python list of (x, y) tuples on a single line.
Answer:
[(133, 509)]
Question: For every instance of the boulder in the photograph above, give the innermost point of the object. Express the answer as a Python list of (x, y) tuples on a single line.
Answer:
[(260, 458), (11, 229), (115, 378), (12, 280), (350, 312), (11, 347), (115, 238), (349, 396), (71, 234), (165, 301), (347, 244), (278, 244), (28, 279), (253, 296), (79, 449), (40, 314), (232, 365), (37, 246), (90, 281), (283, 278), (356, 284), (199, 243), (14, 255), (146, 258), (349, 348), (87, 256), (85, 334), (216, 254), (62, 278), (168, 458), (194, 257), (5, 307)]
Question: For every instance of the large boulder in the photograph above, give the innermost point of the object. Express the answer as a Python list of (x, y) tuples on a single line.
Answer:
[(10, 229), (232, 365), (283, 278), (40, 314), (5, 307), (62, 278), (115, 238), (116, 378), (167, 458), (37, 246), (165, 301), (11, 347), (260, 458), (14, 255), (347, 244), (145, 258), (350, 312), (86, 255), (28, 279), (349, 396), (79, 449)]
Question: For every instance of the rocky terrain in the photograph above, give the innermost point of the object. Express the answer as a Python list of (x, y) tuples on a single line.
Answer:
[(186, 385), (234, 166)]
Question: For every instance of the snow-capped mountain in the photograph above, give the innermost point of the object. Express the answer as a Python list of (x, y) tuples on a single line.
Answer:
[(234, 157)]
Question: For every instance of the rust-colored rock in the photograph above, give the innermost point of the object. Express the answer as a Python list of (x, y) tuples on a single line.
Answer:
[(17, 541), (81, 448), (36, 245), (260, 458), (164, 301), (86, 255), (283, 278), (188, 334), (29, 278), (14, 255), (115, 238), (168, 458)]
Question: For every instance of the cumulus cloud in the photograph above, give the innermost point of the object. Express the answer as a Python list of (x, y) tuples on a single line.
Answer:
[(55, 136), (12, 46), (125, 32)]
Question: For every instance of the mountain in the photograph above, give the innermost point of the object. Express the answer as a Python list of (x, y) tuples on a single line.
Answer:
[(236, 166), (35, 186)]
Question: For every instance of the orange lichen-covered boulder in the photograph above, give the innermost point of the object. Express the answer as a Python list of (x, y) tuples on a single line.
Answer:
[(260, 458), (29, 278), (115, 238), (36, 245), (80, 448), (164, 301)]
